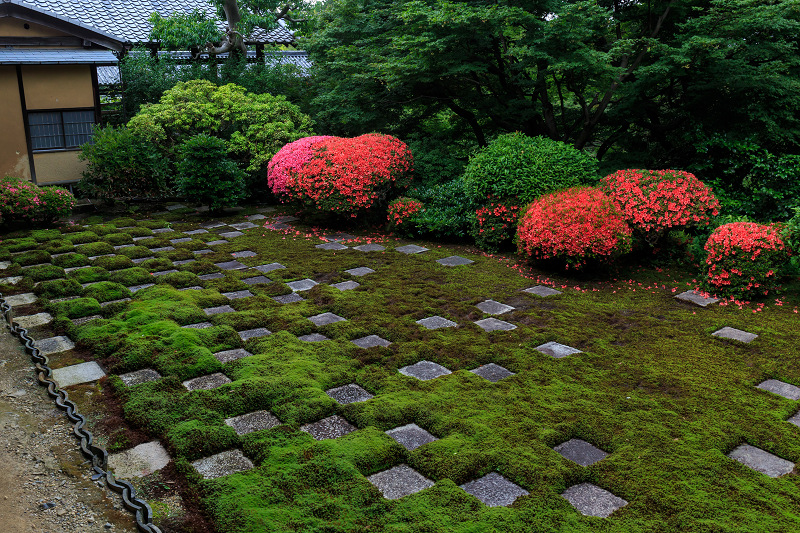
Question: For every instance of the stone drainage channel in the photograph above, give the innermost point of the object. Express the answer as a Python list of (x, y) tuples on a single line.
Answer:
[(98, 456)]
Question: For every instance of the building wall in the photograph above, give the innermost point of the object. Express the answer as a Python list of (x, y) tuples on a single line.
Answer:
[(57, 167), (57, 86), (14, 27), (13, 148)]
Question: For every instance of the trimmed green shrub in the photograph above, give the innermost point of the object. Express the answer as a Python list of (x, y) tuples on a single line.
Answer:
[(116, 262), (447, 214), (32, 257), (58, 288), (89, 275), (95, 248), (71, 260), (82, 237), (44, 272), (206, 175)]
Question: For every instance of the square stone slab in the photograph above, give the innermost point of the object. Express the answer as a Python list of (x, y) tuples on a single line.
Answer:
[(787, 390), (494, 490), (227, 356), (231, 265), (139, 461), (222, 464), (795, 419), (251, 422), (84, 320), (21, 299), (80, 373), (139, 376), (761, 461), (411, 249), (218, 310), (137, 288), (454, 260), (411, 436), (231, 234), (492, 372), (163, 230), (244, 253), (211, 381), (216, 242), (199, 325), (203, 251), (581, 452), (182, 239), (54, 345), (257, 280), (164, 272), (269, 268), (184, 262), (237, 295), (323, 319), (370, 248), (360, 271), (254, 333), (134, 261), (288, 298), (696, 298), (30, 321), (346, 285), (735, 334), (399, 481), (256, 217), (370, 341), (557, 350), (4, 264), (424, 370), (436, 322), (106, 304), (332, 246), (215, 275), (541, 290), (493, 324), (591, 500), (192, 288), (12, 280), (198, 231), (313, 337), (302, 285), (213, 224), (120, 247), (332, 427), (490, 307), (243, 225), (351, 393), (162, 249)]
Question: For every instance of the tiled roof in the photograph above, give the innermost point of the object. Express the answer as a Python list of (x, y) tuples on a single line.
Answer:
[(63, 56)]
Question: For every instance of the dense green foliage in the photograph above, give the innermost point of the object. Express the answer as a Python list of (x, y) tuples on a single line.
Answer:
[(207, 175)]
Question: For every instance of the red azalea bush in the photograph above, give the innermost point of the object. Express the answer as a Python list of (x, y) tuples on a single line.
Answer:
[(494, 224), (402, 210), (655, 201), (574, 225), (342, 175), (744, 259), (22, 201)]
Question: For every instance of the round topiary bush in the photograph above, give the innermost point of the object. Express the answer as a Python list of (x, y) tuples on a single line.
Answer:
[(744, 259), (207, 176), (655, 201), (574, 226)]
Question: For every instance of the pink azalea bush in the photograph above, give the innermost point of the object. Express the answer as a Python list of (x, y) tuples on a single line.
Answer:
[(495, 224), (290, 160), (22, 201), (402, 210)]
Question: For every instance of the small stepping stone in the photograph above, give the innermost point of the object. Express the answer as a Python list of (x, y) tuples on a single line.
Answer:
[(399, 481), (68, 298), (139, 376), (313, 337), (199, 325), (696, 298), (21, 299), (244, 253), (139, 461), (137, 239), (278, 226), (256, 217), (424, 370), (302, 285), (269, 268), (591, 500), (211, 381), (735, 334), (254, 333), (226, 356), (251, 422), (231, 234), (222, 464), (436, 322), (454, 260), (541, 290), (787, 390), (761, 461), (84, 320), (581, 452), (137, 288), (77, 374), (370, 341), (237, 295), (323, 319), (411, 249), (163, 230), (490, 307), (360, 271), (370, 248), (121, 300), (53, 345), (346, 394), (196, 232), (192, 288), (332, 427), (182, 239), (286, 218), (164, 272), (4, 264), (231, 265), (215, 275), (203, 251), (493, 324), (219, 310), (162, 249), (175, 207), (288, 298), (26, 267), (492, 372), (31, 321), (184, 262), (73, 269), (243, 225), (494, 490), (212, 225), (346, 285), (332, 246), (120, 247), (795, 419), (257, 280), (556, 350), (137, 261), (11, 280), (411, 436)]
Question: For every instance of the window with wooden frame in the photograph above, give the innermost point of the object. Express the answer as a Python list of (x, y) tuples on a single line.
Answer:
[(60, 129)]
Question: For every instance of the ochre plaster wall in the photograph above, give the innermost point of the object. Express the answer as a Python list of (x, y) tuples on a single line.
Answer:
[(53, 167), (14, 27), (57, 86), (13, 148)]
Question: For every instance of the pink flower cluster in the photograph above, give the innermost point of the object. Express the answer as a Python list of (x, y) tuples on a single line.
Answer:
[(289, 160), (22, 201), (402, 209)]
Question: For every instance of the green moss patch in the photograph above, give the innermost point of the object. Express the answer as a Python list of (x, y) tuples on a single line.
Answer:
[(116, 262), (32, 257), (89, 275), (95, 248), (44, 272), (82, 237), (131, 276), (58, 288)]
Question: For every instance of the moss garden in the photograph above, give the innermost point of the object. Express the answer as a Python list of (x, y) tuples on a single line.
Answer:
[(646, 381)]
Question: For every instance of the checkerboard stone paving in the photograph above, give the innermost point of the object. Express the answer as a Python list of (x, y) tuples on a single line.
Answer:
[(411, 249), (244, 253), (288, 298), (211, 381), (492, 372), (370, 341), (231, 234), (490, 307), (195, 232), (121, 300), (199, 325), (411, 436), (180, 240), (372, 247), (243, 225), (346, 285), (735, 334), (581, 452), (350, 393), (175, 207), (494, 490), (360, 271), (302, 285), (137, 288), (335, 246), (313, 337), (436, 322), (761, 461), (493, 324), (184, 262), (454, 260), (215, 275), (212, 225), (323, 319), (53, 345), (237, 295), (231, 265), (250, 422), (138, 377), (424, 370), (11, 280), (226, 356), (332, 427), (695, 297), (222, 464), (20, 299), (192, 288), (256, 217), (399, 481), (341, 236), (161, 249), (557, 350), (264, 269), (77, 374), (31, 321), (254, 333), (216, 242), (203, 251), (787, 390), (541, 290), (164, 272), (219, 310), (257, 280), (591, 500)]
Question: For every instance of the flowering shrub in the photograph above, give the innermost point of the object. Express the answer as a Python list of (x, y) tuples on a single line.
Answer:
[(342, 175), (22, 201), (655, 201), (402, 210), (494, 225), (574, 225), (744, 259)]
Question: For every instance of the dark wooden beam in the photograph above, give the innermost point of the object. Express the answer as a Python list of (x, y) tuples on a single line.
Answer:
[(25, 123)]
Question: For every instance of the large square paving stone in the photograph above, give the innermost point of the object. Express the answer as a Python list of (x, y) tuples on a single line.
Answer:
[(492, 372), (493, 324), (436, 322), (222, 464), (323, 319), (557, 350), (288, 298), (237, 295), (372, 247), (370, 341), (541, 290), (243, 225), (332, 427), (211, 381), (53, 345), (251, 422), (348, 285), (424, 370), (581, 452), (231, 265), (490, 307), (21, 299), (761, 461), (226, 356), (257, 280), (335, 246), (494, 490), (399, 481), (208, 277), (411, 436), (787, 390), (219, 310), (313, 337), (269, 268), (199, 325), (735, 334), (76, 374), (30, 321), (591, 500), (138, 377), (411, 249), (454, 260), (350, 393), (254, 333), (302, 285), (694, 297), (231, 234), (244, 253), (795, 419), (139, 461), (360, 271)]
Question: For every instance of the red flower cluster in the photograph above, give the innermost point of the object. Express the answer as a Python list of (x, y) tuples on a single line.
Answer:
[(495, 224), (23, 201), (653, 201), (402, 209), (574, 225), (744, 258), (341, 175)]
